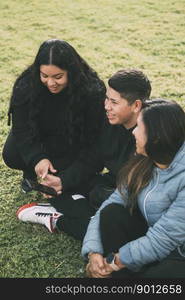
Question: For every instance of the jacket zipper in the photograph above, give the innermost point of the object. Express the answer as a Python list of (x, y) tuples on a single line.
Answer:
[(149, 192)]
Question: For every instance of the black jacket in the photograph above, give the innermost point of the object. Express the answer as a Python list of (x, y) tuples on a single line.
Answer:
[(51, 141), (111, 151)]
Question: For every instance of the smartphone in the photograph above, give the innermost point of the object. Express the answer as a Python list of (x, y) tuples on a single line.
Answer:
[(41, 188)]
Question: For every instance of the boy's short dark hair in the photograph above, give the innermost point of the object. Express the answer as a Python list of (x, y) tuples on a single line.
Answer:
[(132, 84)]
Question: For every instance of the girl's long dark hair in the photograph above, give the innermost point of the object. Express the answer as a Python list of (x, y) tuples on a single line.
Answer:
[(82, 81), (164, 123)]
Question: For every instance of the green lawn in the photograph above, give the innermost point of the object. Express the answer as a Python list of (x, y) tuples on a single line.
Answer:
[(110, 35)]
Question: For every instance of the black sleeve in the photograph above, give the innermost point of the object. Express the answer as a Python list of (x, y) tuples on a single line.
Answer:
[(82, 170), (31, 152)]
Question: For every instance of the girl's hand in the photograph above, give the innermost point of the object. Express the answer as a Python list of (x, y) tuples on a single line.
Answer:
[(117, 262), (42, 168), (54, 182), (96, 267)]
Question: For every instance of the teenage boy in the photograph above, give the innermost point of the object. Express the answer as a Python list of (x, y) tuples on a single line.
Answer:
[(83, 187)]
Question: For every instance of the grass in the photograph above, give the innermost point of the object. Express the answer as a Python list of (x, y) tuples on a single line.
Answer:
[(110, 35)]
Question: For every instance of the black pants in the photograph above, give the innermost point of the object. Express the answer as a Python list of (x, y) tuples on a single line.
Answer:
[(118, 227), (77, 213), (13, 159)]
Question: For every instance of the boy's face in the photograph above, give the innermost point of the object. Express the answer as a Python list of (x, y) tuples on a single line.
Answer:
[(118, 110)]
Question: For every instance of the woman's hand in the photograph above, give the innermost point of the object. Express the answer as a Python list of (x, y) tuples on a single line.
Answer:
[(54, 182), (117, 262), (42, 168), (96, 267)]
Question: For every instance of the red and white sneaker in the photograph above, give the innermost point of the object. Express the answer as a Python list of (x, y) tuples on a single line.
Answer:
[(40, 213)]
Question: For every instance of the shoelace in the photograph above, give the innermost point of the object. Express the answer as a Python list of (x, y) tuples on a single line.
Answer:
[(41, 214)]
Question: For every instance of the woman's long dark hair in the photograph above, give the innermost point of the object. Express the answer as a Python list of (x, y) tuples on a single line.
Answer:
[(82, 80), (164, 123)]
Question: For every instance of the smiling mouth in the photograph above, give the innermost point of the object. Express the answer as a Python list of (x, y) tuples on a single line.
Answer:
[(109, 116), (53, 89)]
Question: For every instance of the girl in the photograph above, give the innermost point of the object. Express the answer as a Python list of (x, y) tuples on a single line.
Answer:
[(140, 230), (57, 108)]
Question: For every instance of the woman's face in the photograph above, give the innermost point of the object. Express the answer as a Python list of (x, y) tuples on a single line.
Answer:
[(54, 78), (140, 136)]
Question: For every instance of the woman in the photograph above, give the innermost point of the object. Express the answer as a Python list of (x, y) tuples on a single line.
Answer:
[(57, 108), (140, 230)]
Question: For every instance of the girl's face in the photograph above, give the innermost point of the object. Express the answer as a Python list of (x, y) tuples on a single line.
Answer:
[(140, 136), (54, 78)]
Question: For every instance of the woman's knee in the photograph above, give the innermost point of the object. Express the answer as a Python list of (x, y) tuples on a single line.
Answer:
[(112, 211), (10, 155), (6, 154)]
